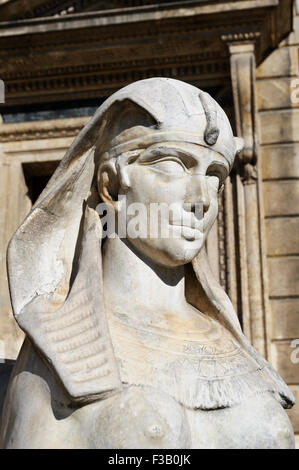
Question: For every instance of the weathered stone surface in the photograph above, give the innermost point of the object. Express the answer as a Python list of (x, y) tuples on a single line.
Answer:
[(282, 236), (62, 69), (285, 318), (36, 133), (283, 62), (280, 161), (97, 52), (15, 205), (285, 363), (281, 198), (293, 37), (121, 326), (283, 276), (250, 244), (276, 93), (279, 126)]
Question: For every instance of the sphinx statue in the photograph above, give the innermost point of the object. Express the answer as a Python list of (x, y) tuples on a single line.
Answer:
[(130, 340)]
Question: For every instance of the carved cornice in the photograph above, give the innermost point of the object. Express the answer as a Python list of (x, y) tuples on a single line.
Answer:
[(241, 37), (92, 54), (36, 130), (105, 83), (172, 28), (205, 59)]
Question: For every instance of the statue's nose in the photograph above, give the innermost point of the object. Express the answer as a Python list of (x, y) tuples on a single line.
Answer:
[(197, 192)]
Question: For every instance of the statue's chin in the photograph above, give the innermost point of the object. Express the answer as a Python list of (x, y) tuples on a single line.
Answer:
[(170, 252)]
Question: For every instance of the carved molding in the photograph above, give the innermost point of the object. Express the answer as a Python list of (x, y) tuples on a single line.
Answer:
[(251, 273), (172, 29), (105, 82), (206, 58), (42, 129), (243, 65), (81, 52), (241, 37)]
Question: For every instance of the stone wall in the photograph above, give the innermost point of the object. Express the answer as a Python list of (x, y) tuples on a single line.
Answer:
[(279, 124)]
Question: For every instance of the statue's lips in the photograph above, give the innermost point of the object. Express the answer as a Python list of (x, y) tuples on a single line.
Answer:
[(187, 232), (189, 221)]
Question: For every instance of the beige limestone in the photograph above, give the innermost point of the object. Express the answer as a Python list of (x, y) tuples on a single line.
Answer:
[(284, 363), (276, 93), (279, 126), (280, 161), (279, 130), (283, 276), (137, 347), (282, 62), (277, 197), (252, 279), (282, 236), (294, 412), (285, 318), (15, 206)]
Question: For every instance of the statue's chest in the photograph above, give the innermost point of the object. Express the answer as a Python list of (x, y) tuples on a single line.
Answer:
[(146, 418), (175, 390), (138, 417), (197, 372)]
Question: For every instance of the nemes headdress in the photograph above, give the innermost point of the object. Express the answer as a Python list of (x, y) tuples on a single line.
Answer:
[(54, 258), (166, 110)]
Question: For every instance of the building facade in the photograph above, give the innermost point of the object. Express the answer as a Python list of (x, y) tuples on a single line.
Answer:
[(61, 59)]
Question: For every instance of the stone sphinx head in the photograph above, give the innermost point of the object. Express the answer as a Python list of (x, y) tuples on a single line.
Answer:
[(155, 141), (167, 144)]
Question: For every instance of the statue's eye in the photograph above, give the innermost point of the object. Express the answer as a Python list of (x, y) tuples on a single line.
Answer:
[(172, 167), (219, 171)]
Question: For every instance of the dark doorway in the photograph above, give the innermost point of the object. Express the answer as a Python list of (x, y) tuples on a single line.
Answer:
[(37, 175)]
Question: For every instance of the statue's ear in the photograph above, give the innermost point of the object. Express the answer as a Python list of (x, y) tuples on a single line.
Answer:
[(239, 144), (108, 182)]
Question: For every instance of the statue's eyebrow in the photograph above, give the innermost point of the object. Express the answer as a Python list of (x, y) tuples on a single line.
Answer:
[(189, 159)]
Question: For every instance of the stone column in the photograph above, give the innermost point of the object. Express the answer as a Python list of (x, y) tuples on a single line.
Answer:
[(250, 255), (14, 204)]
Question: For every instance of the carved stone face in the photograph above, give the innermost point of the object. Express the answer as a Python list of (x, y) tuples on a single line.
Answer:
[(185, 178)]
